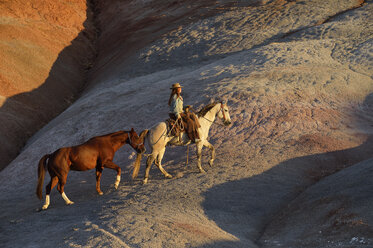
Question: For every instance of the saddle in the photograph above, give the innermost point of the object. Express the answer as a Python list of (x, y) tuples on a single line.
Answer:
[(175, 126), (187, 123)]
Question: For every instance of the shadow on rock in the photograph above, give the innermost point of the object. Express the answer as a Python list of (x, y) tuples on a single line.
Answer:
[(23, 114), (246, 208)]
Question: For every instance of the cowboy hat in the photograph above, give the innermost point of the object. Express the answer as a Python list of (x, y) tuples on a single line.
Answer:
[(176, 85)]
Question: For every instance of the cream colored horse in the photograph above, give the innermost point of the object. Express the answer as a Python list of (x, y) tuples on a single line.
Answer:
[(158, 138)]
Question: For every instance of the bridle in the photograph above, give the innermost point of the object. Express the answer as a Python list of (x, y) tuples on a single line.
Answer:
[(222, 110), (224, 117), (130, 141)]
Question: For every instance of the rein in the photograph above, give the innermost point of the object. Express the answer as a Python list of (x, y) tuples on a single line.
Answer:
[(213, 122), (224, 118)]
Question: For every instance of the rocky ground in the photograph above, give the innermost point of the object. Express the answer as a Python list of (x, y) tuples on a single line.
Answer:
[(294, 168), (46, 48)]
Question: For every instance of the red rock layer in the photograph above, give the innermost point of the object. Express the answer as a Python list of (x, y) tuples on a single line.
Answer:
[(45, 46)]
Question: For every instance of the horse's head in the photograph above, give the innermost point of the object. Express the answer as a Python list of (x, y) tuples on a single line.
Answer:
[(136, 141), (224, 113)]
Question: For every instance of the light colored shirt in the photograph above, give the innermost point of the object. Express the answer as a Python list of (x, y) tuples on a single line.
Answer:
[(176, 106)]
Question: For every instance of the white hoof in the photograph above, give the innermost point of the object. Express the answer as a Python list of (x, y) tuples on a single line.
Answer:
[(46, 203), (211, 162), (67, 200), (168, 176), (145, 181), (117, 182)]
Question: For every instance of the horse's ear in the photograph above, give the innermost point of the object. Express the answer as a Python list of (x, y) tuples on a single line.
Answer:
[(132, 130)]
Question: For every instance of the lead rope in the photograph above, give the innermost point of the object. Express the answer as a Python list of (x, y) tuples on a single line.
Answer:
[(187, 155), (164, 133)]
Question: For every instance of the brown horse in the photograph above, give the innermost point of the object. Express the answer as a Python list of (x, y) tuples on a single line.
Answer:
[(98, 152)]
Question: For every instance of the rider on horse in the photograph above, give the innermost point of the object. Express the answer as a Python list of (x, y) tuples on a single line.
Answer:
[(185, 120)]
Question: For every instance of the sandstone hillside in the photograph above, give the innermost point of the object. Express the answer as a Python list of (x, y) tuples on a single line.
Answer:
[(293, 169), (46, 47)]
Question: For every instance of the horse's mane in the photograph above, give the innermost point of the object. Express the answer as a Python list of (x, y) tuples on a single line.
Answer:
[(112, 135), (117, 136), (119, 133), (206, 109)]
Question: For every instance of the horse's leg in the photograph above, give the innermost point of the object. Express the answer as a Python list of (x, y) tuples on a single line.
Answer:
[(49, 188), (158, 162), (199, 156), (113, 166), (98, 178), (149, 163), (212, 149), (61, 185)]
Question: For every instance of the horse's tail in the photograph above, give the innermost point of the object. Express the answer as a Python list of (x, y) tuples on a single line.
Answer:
[(136, 165), (41, 173), (143, 134)]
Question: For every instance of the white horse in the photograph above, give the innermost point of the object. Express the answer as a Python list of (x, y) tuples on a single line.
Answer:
[(158, 138)]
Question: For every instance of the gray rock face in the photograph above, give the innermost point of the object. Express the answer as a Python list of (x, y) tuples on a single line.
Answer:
[(292, 170)]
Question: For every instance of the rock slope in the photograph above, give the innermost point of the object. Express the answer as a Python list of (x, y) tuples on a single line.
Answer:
[(46, 47), (293, 169)]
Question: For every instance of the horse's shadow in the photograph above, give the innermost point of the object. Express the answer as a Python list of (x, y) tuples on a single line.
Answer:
[(245, 207), (24, 114)]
